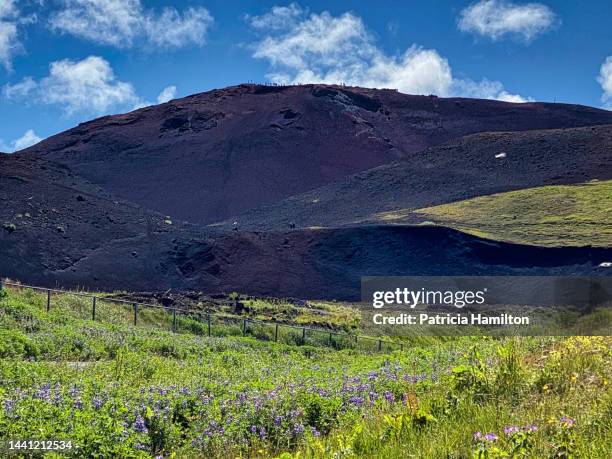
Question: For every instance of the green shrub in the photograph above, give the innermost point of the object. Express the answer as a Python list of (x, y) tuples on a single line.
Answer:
[(14, 343)]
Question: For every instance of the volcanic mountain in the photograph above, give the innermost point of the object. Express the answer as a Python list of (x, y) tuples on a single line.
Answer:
[(147, 200), (213, 155)]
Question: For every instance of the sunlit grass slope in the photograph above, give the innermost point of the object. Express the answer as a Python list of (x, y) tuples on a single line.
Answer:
[(565, 215)]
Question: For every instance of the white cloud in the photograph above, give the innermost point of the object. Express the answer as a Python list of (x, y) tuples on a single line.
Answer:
[(121, 23), (498, 18), (20, 90), (321, 48), (10, 20), (173, 30), (167, 94), (486, 89), (28, 139), (328, 49), (605, 80), (278, 18), (86, 86), (110, 22)]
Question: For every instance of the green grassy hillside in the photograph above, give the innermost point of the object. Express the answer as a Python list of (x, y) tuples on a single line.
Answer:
[(567, 215), (116, 390)]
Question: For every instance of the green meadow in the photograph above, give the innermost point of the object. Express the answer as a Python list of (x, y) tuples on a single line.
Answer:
[(117, 390), (552, 216)]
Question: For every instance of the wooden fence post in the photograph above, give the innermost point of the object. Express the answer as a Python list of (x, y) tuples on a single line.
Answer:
[(276, 332), (135, 313), (379, 345), (244, 326), (93, 308), (174, 320), (48, 300), (209, 325), (304, 335)]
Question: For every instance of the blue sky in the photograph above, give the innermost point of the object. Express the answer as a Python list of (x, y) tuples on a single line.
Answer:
[(66, 61)]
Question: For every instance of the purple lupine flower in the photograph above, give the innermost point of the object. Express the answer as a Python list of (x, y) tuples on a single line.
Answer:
[(298, 428), (262, 433), (97, 403), (73, 392), (315, 432), (139, 425), (511, 430), (490, 437), (389, 397), (8, 405), (57, 399), (530, 428), (278, 420), (253, 430), (43, 393), (477, 436), (415, 378), (567, 421)]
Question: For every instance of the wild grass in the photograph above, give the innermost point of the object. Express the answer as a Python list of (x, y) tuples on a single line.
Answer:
[(117, 390), (335, 316), (560, 215)]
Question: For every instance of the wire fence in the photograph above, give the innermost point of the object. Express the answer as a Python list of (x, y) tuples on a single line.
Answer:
[(194, 321)]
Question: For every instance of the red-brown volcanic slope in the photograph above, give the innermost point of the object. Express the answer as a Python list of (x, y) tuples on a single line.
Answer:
[(51, 219), (459, 169), (70, 233), (88, 207), (209, 156)]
